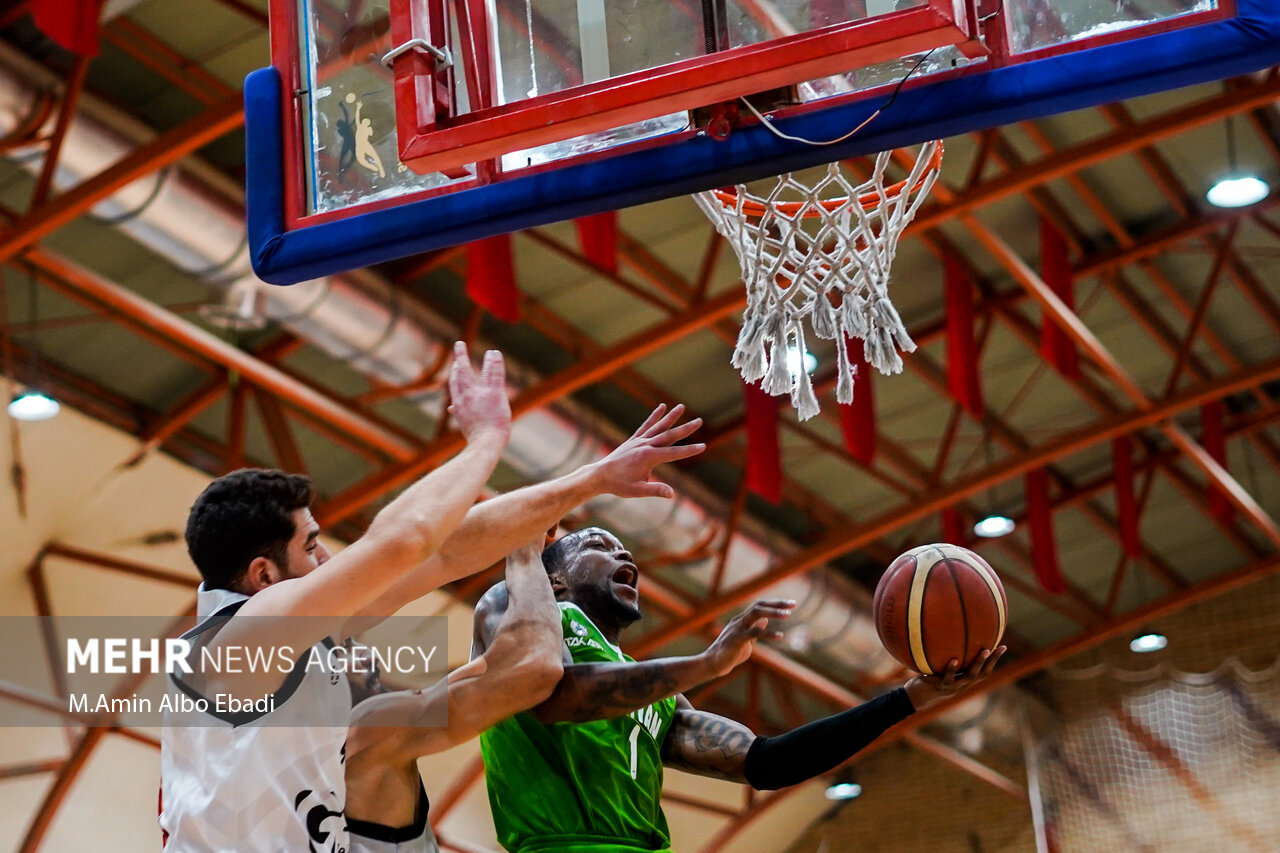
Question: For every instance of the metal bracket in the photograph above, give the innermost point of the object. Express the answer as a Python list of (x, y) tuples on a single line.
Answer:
[(444, 59)]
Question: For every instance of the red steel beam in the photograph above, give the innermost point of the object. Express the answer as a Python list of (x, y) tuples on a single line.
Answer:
[(283, 444), (66, 111)]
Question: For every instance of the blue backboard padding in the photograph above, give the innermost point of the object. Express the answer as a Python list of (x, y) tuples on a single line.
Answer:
[(1074, 80)]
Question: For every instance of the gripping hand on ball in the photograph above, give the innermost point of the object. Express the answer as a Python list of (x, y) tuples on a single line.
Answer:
[(925, 690)]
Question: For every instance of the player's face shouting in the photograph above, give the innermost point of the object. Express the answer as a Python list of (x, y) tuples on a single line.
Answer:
[(603, 579)]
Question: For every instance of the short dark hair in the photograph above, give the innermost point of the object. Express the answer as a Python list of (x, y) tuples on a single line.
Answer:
[(555, 557), (241, 516)]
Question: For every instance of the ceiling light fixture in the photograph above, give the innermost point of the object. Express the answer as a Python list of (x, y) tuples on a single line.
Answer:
[(795, 360), (994, 526), (1238, 188), (33, 406), (844, 791), (1239, 191), (1147, 642)]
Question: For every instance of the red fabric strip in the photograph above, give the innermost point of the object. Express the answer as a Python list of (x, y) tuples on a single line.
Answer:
[(764, 460), (491, 277), (1056, 345), (1043, 551), (598, 235), (962, 350), (1126, 503), (952, 527), (1214, 441), (73, 24), (858, 419)]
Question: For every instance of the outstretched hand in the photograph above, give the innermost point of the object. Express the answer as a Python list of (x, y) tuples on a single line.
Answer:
[(479, 403), (925, 690), (628, 471), (738, 638)]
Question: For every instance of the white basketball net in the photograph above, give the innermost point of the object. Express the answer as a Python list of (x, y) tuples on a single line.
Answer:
[(798, 261)]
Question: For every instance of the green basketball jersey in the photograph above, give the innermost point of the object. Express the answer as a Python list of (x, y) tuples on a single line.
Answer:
[(579, 786)]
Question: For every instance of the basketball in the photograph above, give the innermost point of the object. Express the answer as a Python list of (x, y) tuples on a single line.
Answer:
[(936, 603)]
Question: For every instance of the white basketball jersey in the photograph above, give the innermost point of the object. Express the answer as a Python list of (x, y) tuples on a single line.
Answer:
[(257, 785), (417, 837)]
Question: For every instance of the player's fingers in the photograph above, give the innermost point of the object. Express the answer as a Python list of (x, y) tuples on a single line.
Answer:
[(655, 489), (493, 373), (643, 429), (778, 602), (665, 422), (677, 433), (662, 455), (989, 665), (949, 675)]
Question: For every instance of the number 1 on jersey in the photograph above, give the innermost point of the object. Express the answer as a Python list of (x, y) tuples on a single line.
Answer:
[(635, 748)]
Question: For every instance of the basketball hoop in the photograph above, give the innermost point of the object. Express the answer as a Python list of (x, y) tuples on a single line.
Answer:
[(820, 252)]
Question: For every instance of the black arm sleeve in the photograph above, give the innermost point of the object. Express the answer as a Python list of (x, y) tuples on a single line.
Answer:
[(812, 749)]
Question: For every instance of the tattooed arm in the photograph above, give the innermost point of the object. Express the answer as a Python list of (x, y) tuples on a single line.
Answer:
[(706, 744), (596, 691)]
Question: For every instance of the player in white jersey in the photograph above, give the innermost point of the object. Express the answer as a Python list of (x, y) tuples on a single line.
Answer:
[(251, 781)]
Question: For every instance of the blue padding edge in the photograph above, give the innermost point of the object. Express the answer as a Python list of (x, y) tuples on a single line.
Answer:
[(1249, 42)]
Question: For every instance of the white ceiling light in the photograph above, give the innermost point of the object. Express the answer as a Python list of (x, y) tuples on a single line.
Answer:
[(1147, 642), (1240, 191), (994, 526), (795, 360), (844, 791), (33, 406)]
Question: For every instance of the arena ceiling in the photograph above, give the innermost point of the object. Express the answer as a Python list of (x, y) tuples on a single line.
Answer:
[(1177, 305)]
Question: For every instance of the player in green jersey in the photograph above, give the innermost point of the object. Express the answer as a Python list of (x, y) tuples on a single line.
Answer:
[(582, 771), (386, 803)]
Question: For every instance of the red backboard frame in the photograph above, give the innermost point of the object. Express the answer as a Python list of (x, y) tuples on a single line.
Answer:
[(433, 137)]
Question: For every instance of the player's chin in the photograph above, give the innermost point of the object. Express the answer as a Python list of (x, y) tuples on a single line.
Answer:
[(627, 600)]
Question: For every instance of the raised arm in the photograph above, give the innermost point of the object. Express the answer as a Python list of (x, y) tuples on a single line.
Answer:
[(710, 745), (402, 535), (495, 527), (595, 691)]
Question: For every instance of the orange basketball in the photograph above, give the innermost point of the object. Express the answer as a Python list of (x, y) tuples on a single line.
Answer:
[(936, 603)]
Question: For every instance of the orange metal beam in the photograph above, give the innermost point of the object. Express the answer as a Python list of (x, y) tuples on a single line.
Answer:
[(66, 111)]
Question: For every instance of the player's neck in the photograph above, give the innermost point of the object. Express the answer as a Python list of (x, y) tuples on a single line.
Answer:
[(609, 627)]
